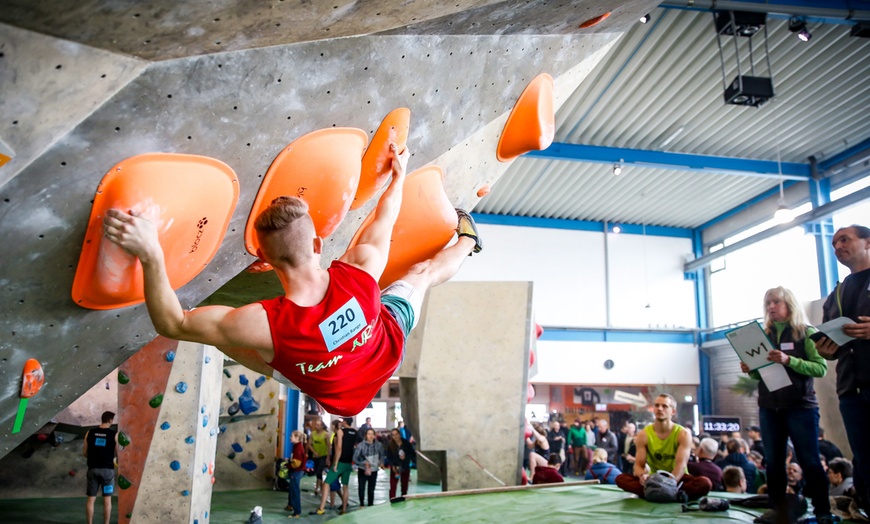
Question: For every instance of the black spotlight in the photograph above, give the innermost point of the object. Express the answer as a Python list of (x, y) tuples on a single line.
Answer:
[(861, 29), (645, 18), (798, 24)]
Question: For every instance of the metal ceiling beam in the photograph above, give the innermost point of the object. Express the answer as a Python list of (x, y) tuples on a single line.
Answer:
[(832, 9), (821, 212), (675, 161)]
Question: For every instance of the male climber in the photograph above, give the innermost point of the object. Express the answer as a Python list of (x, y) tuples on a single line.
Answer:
[(333, 334)]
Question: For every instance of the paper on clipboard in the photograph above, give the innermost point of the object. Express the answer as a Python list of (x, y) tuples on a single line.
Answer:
[(751, 344), (833, 329), (774, 376)]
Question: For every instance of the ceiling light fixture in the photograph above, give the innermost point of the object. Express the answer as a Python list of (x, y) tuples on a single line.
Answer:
[(645, 18), (617, 169), (798, 24)]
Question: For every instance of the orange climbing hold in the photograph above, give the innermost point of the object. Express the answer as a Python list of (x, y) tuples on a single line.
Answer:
[(322, 168), (377, 161), (32, 379), (592, 22), (425, 225), (6, 153), (532, 122), (189, 198)]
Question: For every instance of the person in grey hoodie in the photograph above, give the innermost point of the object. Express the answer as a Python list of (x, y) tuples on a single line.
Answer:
[(368, 456)]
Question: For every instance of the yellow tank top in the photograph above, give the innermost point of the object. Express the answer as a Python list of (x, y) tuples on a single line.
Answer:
[(662, 454), (318, 443)]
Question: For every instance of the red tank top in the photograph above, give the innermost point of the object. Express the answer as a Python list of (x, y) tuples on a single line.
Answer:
[(342, 350)]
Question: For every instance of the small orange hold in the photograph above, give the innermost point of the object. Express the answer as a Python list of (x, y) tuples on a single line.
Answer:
[(32, 379), (594, 21), (483, 191), (260, 266)]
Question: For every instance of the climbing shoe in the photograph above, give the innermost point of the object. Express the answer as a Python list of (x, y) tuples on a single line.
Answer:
[(467, 228)]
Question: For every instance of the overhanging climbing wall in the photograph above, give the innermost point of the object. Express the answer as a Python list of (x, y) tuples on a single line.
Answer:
[(86, 85)]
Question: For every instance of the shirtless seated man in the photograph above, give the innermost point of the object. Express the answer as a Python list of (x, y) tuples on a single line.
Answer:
[(333, 334)]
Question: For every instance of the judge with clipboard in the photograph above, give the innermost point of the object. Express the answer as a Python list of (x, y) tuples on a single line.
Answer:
[(787, 406)]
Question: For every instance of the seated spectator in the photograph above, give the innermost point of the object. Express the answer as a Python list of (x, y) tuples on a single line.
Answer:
[(705, 467), (760, 471), (840, 477), (601, 470), (796, 480), (737, 457), (755, 436), (549, 474), (734, 479), (828, 448)]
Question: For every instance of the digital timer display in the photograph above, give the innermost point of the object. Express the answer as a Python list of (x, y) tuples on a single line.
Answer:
[(713, 424)]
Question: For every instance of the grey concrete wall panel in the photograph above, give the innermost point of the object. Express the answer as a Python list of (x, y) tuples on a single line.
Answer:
[(48, 86), (162, 29), (466, 347), (183, 494), (241, 107)]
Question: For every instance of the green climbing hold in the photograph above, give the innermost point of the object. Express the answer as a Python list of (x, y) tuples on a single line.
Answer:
[(123, 483), (122, 377), (230, 396), (123, 439), (156, 400)]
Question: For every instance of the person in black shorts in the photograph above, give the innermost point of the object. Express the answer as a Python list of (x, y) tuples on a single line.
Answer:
[(101, 447)]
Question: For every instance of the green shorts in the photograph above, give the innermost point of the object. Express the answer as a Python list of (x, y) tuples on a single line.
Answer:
[(344, 469)]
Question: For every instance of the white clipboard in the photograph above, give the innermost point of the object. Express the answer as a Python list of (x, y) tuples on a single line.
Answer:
[(752, 346)]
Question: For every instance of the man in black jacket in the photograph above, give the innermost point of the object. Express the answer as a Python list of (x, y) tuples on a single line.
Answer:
[(851, 298)]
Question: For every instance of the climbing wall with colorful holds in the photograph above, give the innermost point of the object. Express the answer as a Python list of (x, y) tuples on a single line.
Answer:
[(168, 403), (248, 430)]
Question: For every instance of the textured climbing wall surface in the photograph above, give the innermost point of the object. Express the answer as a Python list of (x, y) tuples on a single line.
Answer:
[(88, 84), (176, 477), (466, 348), (248, 437)]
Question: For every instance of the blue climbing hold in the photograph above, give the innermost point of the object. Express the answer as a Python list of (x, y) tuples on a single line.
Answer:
[(259, 382), (237, 447), (175, 465), (243, 380), (204, 468), (247, 438), (202, 409), (247, 403), (165, 426), (233, 409), (223, 428), (207, 359), (185, 493), (211, 432), (204, 420), (181, 387), (249, 465), (190, 440), (170, 356)]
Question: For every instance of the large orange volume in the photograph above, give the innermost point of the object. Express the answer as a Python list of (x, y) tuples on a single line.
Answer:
[(190, 199), (322, 168), (531, 125), (377, 161), (426, 224)]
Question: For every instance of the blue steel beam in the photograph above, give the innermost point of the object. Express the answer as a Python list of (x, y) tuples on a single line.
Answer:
[(861, 147), (674, 161)]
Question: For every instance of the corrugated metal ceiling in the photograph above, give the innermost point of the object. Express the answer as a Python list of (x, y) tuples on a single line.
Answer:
[(660, 88)]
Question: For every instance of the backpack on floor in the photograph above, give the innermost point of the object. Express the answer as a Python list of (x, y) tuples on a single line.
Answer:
[(663, 487)]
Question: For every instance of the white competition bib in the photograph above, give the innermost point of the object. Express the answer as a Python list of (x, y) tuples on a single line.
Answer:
[(343, 324)]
